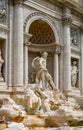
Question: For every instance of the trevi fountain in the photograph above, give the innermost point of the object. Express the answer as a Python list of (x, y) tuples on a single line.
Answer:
[(41, 106)]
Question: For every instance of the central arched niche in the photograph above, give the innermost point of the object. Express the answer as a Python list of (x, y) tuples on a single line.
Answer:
[(41, 33)]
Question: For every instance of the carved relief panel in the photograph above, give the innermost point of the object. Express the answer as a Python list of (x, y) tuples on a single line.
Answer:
[(74, 37), (3, 11)]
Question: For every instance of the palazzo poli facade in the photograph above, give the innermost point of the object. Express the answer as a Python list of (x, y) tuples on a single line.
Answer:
[(30, 27)]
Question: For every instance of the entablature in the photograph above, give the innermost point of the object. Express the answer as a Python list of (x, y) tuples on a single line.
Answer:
[(74, 6), (48, 47), (56, 12)]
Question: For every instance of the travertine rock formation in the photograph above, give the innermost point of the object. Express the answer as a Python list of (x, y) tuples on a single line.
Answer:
[(54, 111), (9, 110)]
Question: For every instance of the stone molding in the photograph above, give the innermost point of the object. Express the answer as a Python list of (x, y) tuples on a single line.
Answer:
[(67, 19), (44, 9), (53, 47), (34, 15), (4, 30), (43, 17), (73, 6)]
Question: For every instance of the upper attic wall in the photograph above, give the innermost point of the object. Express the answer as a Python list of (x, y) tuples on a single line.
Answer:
[(51, 4)]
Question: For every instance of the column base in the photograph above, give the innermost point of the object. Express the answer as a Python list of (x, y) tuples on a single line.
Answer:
[(3, 86), (18, 91), (5, 90), (71, 93), (67, 92), (1, 79), (18, 88)]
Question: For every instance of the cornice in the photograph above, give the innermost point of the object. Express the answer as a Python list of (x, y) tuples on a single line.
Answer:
[(4, 27), (73, 6), (4, 30), (70, 2), (43, 9), (60, 3), (77, 50)]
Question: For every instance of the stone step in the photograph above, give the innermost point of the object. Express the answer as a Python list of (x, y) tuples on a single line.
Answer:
[(42, 121), (54, 128)]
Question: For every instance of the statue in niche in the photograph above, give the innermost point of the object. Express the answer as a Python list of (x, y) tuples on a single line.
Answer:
[(43, 78), (1, 63), (74, 74)]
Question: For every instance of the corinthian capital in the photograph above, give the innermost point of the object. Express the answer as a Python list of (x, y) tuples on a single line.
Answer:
[(58, 50), (67, 19), (16, 1)]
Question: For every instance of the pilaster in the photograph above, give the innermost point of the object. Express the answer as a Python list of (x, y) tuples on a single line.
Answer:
[(81, 37)]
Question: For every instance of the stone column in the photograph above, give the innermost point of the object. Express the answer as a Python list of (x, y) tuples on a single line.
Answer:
[(56, 67), (6, 61), (81, 61), (10, 45), (18, 43), (67, 53), (25, 65), (26, 44), (61, 70)]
